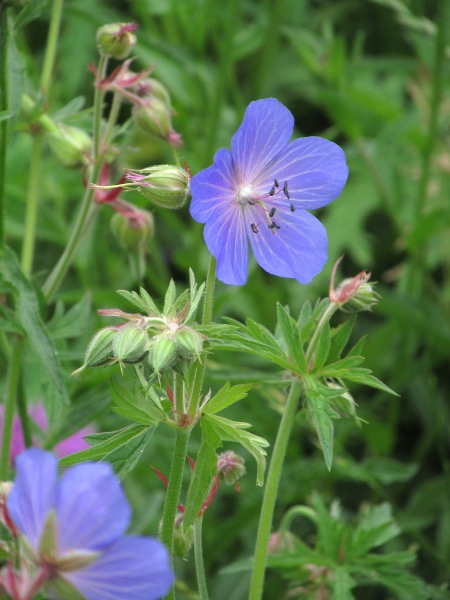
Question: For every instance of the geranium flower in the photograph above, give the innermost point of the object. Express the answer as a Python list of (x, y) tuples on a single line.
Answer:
[(75, 527), (260, 191)]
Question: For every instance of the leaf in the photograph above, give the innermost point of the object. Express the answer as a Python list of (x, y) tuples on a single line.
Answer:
[(5, 114), (205, 469), (226, 396), (291, 338), (233, 431), (125, 456), (340, 368), (71, 108), (135, 406), (27, 308), (368, 379), (69, 325), (110, 442), (32, 10), (339, 339), (342, 584), (323, 347), (169, 297), (324, 425)]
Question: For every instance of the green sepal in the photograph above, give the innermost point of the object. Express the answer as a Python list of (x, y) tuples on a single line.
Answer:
[(130, 344), (100, 348)]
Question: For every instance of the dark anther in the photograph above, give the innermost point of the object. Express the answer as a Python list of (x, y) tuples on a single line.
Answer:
[(271, 226), (275, 225), (254, 228), (275, 181), (251, 203), (285, 190), (292, 208), (272, 191), (272, 212)]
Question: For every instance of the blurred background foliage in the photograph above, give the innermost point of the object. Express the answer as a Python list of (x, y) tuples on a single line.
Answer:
[(372, 76)]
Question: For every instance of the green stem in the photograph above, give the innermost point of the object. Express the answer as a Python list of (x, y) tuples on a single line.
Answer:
[(22, 410), (207, 318), (32, 205), (50, 51), (173, 493), (3, 107), (331, 309), (198, 552), (112, 118), (296, 511), (55, 278), (12, 381), (271, 491), (179, 393)]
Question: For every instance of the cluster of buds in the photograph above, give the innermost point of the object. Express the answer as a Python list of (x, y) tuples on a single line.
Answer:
[(355, 293), (230, 468), (152, 110), (160, 339)]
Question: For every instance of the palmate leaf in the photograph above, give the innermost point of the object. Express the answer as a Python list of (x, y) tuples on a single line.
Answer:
[(232, 431), (135, 406), (322, 415), (226, 396), (205, 469)]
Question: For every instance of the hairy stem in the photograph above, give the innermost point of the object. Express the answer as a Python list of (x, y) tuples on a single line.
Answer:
[(3, 108), (199, 566), (271, 490)]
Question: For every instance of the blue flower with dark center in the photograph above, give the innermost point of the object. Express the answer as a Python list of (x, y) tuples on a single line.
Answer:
[(75, 529), (260, 192)]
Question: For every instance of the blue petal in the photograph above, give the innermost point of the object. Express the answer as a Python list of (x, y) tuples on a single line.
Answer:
[(91, 508), (226, 238), (298, 249), (134, 568), (33, 493), (266, 129), (214, 188), (314, 168)]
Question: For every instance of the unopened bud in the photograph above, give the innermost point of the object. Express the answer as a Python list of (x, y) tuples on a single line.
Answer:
[(152, 87), (154, 117), (163, 353), (163, 185), (116, 39), (130, 344), (100, 348), (183, 540), (279, 542), (133, 231), (189, 341), (71, 146), (230, 467)]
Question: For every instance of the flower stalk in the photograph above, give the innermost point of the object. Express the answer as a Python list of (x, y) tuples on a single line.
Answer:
[(198, 552)]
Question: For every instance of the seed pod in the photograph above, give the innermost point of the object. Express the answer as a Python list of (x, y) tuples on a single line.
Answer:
[(100, 349), (163, 354), (130, 344)]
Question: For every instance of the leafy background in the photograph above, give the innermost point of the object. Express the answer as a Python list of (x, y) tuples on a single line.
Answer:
[(361, 73)]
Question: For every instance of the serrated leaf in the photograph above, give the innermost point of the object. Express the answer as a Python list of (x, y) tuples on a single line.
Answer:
[(233, 431), (339, 339), (357, 349), (342, 584), (27, 310), (290, 339), (226, 396), (135, 406), (149, 305), (32, 10), (205, 469), (323, 347), (104, 447), (366, 378), (324, 426), (68, 325), (169, 297), (340, 368), (124, 457)]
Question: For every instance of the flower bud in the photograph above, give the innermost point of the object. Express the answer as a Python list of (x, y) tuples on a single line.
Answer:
[(130, 344), (189, 341), (152, 87), (230, 467), (154, 117), (70, 145), (163, 353), (134, 231), (163, 185), (116, 39), (183, 540), (355, 293), (100, 349)]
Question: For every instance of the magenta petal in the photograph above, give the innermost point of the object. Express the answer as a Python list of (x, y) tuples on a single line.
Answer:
[(314, 168), (226, 238), (266, 129), (33, 493), (298, 249), (91, 508), (134, 568), (214, 189)]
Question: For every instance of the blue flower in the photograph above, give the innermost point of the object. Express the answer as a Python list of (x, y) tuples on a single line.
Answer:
[(260, 191), (75, 527)]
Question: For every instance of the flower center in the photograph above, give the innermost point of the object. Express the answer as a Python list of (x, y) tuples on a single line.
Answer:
[(264, 207)]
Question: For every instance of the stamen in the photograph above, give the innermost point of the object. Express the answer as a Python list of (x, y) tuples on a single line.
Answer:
[(292, 208), (275, 225), (275, 181), (254, 228), (271, 226), (272, 191), (251, 203), (285, 190), (272, 212)]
